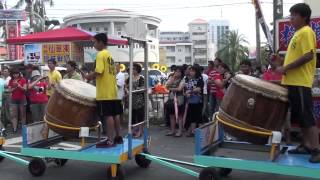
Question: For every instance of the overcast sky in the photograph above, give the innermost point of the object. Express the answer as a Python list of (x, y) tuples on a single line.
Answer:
[(176, 14)]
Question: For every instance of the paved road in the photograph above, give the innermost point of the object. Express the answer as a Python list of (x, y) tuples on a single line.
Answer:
[(177, 148)]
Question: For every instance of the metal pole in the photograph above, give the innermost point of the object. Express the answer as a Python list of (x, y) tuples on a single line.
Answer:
[(130, 84), (31, 16), (146, 82), (277, 14), (258, 53)]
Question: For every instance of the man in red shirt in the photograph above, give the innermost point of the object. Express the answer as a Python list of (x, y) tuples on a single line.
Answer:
[(214, 83), (271, 74)]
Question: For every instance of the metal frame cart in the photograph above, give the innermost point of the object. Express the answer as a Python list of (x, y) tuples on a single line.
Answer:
[(275, 160), (41, 150)]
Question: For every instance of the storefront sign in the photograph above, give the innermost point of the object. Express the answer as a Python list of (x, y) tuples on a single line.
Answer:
[(33, 54), (61, 52)]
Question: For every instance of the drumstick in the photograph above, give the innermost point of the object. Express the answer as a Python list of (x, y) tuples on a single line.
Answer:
[(81, 72)]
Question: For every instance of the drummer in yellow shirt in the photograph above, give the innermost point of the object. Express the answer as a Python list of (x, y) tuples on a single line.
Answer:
[(298, 72), (105, 75), (53, 75)]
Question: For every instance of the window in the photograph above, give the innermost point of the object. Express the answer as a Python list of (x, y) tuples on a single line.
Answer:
[(171, 49), (119, 33), (105, 29), (89, 29), (171, 59), (188, 59), (179, 50), (97, 29)]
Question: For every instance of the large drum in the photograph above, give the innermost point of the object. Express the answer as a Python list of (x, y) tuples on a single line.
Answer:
[(251, 103), (72, 105)]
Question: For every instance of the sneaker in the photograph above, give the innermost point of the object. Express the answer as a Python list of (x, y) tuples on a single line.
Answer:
[(301, 149), (105, 144), (315, 156), (118, 140)]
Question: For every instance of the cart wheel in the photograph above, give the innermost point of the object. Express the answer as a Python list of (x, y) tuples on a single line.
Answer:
[(224, 172), (208, 173), (60, 162), (119, 176), (37, 167), (1, 157), (142, 161)]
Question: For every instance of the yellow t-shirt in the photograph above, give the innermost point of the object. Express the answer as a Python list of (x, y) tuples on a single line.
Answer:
[(106, 81), (302, 42), (54, 78)]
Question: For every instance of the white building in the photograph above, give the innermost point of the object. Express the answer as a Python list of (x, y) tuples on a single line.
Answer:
[(203, 49), (218, 30), (112, 22), (177, 47)]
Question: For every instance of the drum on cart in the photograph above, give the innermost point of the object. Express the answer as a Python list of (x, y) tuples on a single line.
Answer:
[(251, 103), (72, 105)]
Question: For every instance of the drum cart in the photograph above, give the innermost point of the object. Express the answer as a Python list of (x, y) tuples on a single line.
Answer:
[(271, 158), (41, 150)]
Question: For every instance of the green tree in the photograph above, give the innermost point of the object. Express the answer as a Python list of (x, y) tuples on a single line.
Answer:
[(38, 9), (233, 49)]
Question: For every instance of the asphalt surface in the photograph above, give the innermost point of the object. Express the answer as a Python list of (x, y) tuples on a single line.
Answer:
[(170, 147)]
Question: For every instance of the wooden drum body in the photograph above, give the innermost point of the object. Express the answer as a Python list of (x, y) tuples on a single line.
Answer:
[(254, 104), (72, 105)]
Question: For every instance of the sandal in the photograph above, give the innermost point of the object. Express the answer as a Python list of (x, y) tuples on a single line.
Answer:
[(170, 134), (105, 144), (190, 135), (301, 149), (178, 135)]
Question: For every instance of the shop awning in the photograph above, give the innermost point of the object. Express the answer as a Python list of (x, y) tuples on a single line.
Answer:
[(62, 35)]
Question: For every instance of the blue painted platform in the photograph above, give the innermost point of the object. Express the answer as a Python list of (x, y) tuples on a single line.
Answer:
[(297, 160), (286, 164), (113, 155), (117, 150)]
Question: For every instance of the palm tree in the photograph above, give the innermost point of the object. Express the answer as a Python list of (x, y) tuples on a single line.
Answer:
[(38, 8), (233, 49)]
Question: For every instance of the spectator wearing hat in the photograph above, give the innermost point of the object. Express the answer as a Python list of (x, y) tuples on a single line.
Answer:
[(53, 75), (37, 95), (71, 71)]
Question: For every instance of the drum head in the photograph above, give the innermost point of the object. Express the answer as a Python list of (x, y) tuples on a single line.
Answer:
[(77, 89), (260, 86)]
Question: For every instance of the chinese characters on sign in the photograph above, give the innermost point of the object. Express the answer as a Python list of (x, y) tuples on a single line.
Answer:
[(13, 30), (12, 14), (61, 52)]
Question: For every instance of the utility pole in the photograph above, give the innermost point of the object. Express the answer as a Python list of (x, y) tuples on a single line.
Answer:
[(258, 43), (277, 14), (31, 15)]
